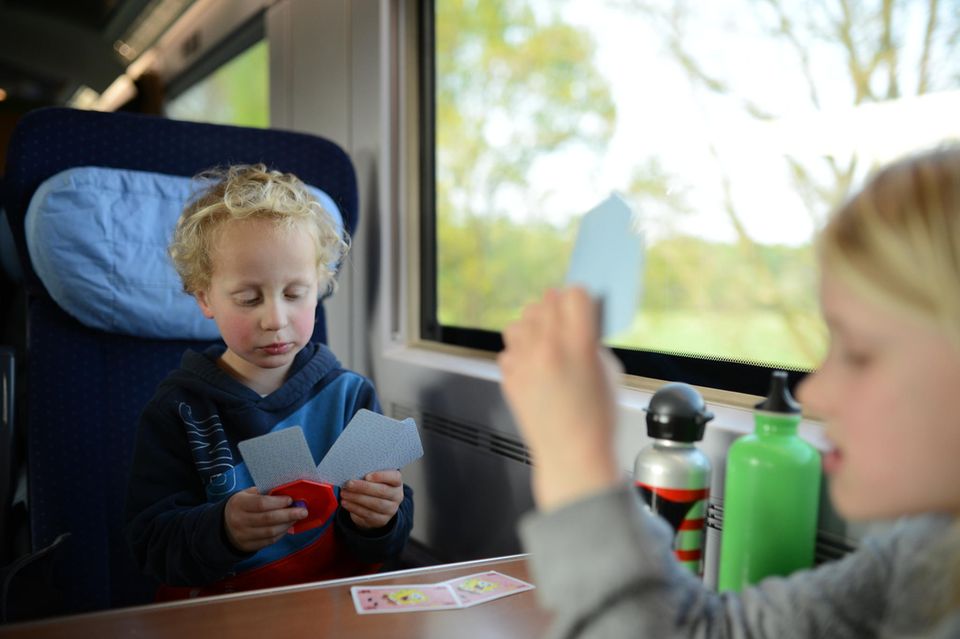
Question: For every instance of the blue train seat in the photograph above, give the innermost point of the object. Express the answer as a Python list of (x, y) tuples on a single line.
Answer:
[(91, 369)]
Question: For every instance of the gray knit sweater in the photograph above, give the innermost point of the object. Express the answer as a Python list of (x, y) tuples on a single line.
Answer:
[(603, 566)]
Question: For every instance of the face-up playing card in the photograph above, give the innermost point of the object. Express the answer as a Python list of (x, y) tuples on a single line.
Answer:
[(370, 600), (485, 586)]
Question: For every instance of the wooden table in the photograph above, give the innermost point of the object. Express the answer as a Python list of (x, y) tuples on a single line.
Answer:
[(312, 611)]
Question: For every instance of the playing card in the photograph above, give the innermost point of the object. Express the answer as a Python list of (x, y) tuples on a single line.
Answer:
[(485, 586), (370, 600), (608, 260), (370, 442), (277, 458)]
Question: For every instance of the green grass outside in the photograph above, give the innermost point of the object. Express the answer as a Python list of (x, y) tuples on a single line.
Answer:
[(761, 337)]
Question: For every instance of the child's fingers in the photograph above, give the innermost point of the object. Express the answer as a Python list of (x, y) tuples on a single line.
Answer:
[(358, 509), (388, 477), (371, 504), (372, 489), (247, 530), (254, 521), (366, 518), (250, 500), (518, 335), (262, 511), (271, 518), (368, 492), (257, 528), (550, 319), (579, 314), (268, 503)]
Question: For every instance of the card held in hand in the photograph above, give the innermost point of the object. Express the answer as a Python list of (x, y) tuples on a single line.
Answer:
[(370, 442), (277, 458), (608, 260)]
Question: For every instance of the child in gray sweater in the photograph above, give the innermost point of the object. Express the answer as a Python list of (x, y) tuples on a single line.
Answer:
[(890, 295)]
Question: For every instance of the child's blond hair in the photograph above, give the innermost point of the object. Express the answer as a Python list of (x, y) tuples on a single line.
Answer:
[(897, 242), (242, 192)]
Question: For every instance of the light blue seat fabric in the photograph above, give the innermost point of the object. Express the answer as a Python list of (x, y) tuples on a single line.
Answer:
[(98, 238)]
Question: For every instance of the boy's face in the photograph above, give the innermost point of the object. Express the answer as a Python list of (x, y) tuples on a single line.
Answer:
[(263, 296), (888, 391)]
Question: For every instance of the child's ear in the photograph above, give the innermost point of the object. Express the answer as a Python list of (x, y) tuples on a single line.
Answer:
[(201, 297)]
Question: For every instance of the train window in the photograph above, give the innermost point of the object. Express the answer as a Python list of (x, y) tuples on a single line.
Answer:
[(237, 92), (731, 130)]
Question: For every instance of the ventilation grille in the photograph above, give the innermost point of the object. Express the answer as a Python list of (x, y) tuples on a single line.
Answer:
[(470, 434), (831, 547)]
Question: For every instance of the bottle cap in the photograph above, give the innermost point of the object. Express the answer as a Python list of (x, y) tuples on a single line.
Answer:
[(779, 399), (677, 412)]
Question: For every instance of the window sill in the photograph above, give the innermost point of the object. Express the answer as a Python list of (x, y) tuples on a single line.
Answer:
[(733, 413)]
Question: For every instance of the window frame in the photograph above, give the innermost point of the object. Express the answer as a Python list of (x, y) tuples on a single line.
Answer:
[(245, 36), (716, 373)]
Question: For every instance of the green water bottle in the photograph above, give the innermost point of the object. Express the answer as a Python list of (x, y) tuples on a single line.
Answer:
[(771, 496)]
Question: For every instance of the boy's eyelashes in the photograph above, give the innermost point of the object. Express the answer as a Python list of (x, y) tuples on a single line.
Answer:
[(253, 301)]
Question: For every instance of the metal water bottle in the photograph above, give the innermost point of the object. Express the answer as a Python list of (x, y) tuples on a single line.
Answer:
[(672, 474)]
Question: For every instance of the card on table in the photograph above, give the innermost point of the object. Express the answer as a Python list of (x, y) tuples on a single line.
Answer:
[(277, 458), (478, 588), (370, 600)]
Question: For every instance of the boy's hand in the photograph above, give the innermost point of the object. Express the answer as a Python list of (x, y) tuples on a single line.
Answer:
[(373, 501), (254, 521)]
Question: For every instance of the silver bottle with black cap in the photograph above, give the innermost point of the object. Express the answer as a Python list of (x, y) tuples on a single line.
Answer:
[(672, 474)]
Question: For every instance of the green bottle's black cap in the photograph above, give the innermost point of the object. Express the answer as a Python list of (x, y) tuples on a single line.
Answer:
[(677, 412), (779, 399)]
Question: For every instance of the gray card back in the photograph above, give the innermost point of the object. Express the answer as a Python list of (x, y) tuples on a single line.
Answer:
[(370, 442), (278, 458)]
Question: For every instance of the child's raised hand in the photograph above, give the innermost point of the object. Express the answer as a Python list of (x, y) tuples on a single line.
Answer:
[(373, 501), (254, 521), (559, 384)]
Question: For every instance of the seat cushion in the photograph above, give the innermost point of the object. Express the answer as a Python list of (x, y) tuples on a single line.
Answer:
[(97, 239)]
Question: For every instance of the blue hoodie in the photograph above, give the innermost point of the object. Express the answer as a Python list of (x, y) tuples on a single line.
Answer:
[(186, 465)]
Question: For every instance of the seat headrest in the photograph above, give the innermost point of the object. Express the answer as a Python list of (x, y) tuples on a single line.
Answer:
[(97, 239)]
